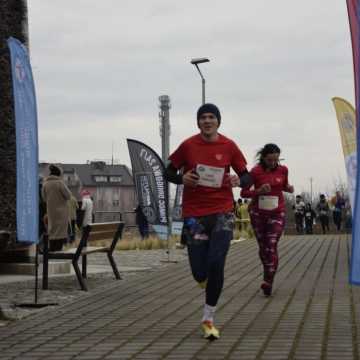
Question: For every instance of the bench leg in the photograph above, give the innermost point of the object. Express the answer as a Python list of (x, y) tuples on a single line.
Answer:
[(84, 266), (45, 274), (113, 265), (79, 277)]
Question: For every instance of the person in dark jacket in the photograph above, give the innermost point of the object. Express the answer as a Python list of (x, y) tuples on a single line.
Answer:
[(339, 206), (56, 195), (42, 211), (309, 215), (323, 211), (142, 223)]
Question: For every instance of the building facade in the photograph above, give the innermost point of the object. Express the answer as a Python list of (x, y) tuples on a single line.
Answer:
[(111, 187)]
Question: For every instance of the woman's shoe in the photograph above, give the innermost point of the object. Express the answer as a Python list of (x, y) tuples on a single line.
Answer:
[(266, 288)]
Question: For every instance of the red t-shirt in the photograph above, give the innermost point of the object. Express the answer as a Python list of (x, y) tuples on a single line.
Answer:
[(222, 153), (278, 180)]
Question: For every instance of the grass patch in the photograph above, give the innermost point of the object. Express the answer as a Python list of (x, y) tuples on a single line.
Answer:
[(150, 243)]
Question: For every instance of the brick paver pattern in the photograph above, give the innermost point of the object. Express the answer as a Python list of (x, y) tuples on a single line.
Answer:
[(313, 313)]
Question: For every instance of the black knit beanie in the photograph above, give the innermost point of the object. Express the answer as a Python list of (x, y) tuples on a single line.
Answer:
[(54, 170), (209, 108)]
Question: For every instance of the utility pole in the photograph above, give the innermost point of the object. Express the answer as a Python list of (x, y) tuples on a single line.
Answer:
[(164, 116), (196, 63)]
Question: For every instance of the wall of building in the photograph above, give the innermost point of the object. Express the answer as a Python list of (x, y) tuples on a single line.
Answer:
[(109, 202)]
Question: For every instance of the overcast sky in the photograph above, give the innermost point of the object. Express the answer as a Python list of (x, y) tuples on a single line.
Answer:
[(100, 66)]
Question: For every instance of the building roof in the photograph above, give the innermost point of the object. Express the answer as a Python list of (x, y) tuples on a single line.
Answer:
[(88, 173)]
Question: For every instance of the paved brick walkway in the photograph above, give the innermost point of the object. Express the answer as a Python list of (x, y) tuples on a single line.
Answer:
[(313, 313)]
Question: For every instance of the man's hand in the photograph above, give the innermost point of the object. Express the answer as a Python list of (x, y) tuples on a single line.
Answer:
[(263, 189), (190, 178)]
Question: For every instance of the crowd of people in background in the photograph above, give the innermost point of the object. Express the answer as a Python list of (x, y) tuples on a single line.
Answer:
[(306, 215), (337, 207)]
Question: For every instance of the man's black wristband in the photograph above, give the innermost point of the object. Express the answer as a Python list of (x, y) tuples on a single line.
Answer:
[(171, 175)]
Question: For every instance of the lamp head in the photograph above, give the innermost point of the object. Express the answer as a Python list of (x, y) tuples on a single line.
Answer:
[(199, 61)]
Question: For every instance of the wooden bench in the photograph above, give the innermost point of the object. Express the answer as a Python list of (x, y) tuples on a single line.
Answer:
[(111, 231)]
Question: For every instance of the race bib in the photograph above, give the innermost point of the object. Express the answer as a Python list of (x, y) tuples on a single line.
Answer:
[(210, 176), (267, 202)]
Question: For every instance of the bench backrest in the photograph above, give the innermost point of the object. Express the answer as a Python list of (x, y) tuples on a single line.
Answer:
[(103, 231)]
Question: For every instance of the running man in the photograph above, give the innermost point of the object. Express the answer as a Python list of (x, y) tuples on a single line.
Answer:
[(206, 159)]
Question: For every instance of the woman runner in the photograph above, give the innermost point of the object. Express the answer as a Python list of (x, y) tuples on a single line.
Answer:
[(267, 208)]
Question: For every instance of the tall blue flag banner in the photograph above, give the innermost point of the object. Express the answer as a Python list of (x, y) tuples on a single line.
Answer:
[(27, 187), (354, 20), (151, 186)]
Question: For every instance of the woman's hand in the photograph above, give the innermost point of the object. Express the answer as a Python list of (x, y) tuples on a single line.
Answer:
[(190, 178), (263, 189), (290, 189), (231, 180)]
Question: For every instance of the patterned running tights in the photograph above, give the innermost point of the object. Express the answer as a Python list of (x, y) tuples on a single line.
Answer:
[(268, 229)]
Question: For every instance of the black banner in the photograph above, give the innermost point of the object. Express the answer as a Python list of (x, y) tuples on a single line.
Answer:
[(151, 186)]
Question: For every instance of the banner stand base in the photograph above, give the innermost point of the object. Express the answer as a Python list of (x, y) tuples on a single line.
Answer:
[(36, 304), (168, 259), (33, 305)]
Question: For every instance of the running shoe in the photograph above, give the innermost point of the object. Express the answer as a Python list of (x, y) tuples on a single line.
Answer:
[(209, 330), (202, 284), (266, 288)]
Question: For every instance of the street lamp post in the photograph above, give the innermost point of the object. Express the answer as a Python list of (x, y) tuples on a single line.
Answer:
[(196, 62)]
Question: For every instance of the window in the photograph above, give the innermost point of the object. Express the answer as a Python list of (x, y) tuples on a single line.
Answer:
[(115, 178), (116, 203), (100, 178)]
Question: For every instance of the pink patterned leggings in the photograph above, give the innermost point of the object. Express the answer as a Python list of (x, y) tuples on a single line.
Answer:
[(268, 229)]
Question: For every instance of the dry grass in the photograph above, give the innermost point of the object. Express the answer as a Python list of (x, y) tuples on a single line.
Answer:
[(133, 243), (151, 243), (136, 243)]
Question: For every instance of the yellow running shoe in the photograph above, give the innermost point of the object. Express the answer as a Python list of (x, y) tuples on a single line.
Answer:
[(210, 331), (203, 284)]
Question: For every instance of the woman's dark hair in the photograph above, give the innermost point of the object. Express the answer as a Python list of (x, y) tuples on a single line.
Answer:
[(267, 149), (54, 170)]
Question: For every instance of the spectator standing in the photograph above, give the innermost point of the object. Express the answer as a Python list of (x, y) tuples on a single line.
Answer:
[(323, 211), (73, 207), (309, 216), (245, 220), (299, 211), (42, 211), (238, 207), (56, 195), (339, 205), (142, 223), (87, 208), (348, 216)]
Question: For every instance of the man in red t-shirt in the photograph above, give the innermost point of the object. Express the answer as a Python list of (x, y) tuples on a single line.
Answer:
[(205, 160)]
